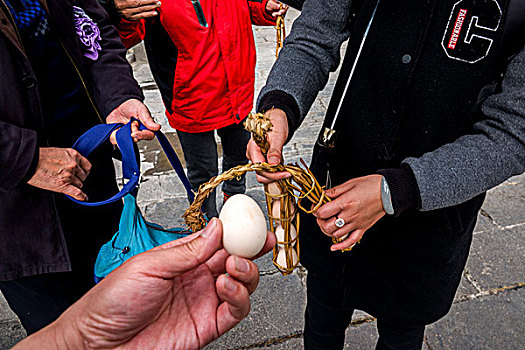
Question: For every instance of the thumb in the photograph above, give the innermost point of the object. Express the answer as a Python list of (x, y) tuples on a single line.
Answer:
[(274, 156), (146, 118), (172, 262)]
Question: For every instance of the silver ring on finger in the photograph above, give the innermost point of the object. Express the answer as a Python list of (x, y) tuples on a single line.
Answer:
[(339, 222)]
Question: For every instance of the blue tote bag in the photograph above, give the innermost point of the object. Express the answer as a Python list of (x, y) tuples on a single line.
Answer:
[(135, 234)]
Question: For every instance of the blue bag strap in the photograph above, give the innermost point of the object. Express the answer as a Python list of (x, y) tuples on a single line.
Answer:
[(97, 135), (93, 138), (174, 161)]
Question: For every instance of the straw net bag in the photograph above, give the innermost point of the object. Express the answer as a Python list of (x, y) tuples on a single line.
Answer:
[(283, 198)]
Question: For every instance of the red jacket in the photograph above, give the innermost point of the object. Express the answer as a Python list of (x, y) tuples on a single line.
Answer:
[(213, 84)]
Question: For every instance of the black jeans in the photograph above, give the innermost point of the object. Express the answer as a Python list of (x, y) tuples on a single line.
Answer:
[(326, 322), (39, 300), (200, 153)]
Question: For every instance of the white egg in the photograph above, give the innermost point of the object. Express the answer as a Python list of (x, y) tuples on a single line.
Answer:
[(276, 209), (279, 234), (244, 226), (273, 189), (281, 258)]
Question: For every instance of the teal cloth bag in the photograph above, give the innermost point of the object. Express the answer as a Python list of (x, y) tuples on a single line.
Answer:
[(135, 234)]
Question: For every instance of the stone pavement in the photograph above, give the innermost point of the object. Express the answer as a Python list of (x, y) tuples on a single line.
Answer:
[(489, 309)]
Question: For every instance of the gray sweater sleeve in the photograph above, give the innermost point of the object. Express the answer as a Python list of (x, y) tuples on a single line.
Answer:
[(310, 53), (474, 163)]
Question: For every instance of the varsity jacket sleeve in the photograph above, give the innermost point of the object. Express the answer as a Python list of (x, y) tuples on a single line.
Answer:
[(491, 153), (111, 75), (310, 53), (258, 13)]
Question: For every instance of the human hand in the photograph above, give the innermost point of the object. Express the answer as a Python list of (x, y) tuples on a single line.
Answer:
[(134, 10), (275, 8), (133, 108), (61, 170), (276, 138), (176, 296), (358, 203)]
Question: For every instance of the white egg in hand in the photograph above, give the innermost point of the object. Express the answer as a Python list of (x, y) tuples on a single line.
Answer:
[(243, 225)]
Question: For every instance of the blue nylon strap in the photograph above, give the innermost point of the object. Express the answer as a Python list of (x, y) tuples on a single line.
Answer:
[(93, 138), (97, 135), (174, 161), (130, 167)]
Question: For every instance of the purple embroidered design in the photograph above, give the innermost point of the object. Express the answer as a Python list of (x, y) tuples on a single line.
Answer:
[(88, 33)]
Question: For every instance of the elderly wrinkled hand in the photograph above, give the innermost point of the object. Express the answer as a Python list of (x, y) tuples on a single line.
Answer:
[(355, 207), (61, 170)]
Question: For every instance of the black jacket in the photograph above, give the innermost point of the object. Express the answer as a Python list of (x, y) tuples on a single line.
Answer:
[(418, 97), (31, 220)]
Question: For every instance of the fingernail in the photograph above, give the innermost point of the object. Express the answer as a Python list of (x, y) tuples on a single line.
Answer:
[(333, 249), (229, 285), (241, 265), (206, 232), (158, 3)]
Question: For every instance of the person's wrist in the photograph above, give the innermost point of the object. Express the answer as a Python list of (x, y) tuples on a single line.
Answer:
[(278, 99), (403, 187), (60, 334), (66, 332)]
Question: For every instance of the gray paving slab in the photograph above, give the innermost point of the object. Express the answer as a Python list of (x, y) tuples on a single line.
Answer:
[(277, 310), (167, 213), (289, 344), (494, 322), (484, 224), (506, 203), (465, 286), (497, 257), (11, 330), (363, 336), (5, 311)]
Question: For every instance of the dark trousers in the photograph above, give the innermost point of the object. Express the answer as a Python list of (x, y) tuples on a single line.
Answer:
[(200, 153), (39, 300), (326, 322)]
